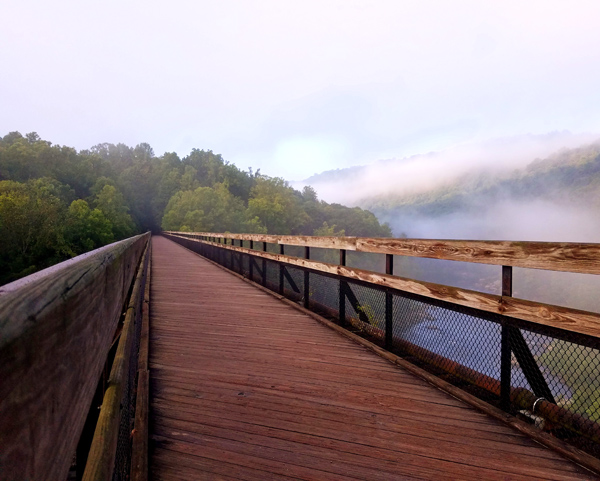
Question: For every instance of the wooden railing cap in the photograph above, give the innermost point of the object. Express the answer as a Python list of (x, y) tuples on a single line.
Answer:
[(583, 258)]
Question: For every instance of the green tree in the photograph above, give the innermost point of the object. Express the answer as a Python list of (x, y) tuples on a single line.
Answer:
[(205, 209), (31, 226), (112, 204), (327, 231), (86, 229), (277, 206)]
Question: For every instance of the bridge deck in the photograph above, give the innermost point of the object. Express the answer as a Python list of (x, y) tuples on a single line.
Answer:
[(246, 387)]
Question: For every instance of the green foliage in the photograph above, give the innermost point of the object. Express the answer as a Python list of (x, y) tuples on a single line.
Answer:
[(86, 229), (577, 367), (574, 174), (31, 216), (206, 209), (56, 202), (111, 203), (277, 206), (326, 231)]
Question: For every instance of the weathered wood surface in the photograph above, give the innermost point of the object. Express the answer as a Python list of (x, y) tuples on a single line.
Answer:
[(245, 387), (101, 458), (554, 316), (544, 438), (140, 437), (55, 332), (557, 256)]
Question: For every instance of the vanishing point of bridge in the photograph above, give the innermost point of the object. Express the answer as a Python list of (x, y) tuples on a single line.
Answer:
[(204, 374)]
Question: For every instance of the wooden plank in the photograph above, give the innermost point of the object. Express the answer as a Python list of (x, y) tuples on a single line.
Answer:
[(565, 318), (577, 257), (140, 438), (101, 458), (186, 466), (356, 453), (348, 243), (253, 430), (139, 449), (237, 383), (412, 431), (555, 256), (55, 332), (363, 415), (543, 438)]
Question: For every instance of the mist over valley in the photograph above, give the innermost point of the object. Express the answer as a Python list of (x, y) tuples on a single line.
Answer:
[(536, 188)]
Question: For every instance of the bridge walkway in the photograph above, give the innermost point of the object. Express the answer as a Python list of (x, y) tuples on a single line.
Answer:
[(246, 387)]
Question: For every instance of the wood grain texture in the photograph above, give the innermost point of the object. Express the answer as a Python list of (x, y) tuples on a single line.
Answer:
[(545, 439), (139, 447), (101, 458), (55, 332), (557, 256), (574, 320), (245, 387)]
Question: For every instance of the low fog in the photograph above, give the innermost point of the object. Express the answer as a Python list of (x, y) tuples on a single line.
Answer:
[(537, 220), (410, 193), (426, 171)]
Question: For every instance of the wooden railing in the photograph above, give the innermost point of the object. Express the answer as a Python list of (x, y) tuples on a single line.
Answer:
[(552, 256), (512, 315), (56, 332)]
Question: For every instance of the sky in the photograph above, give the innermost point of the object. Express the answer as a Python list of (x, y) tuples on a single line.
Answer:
[(294, 88)]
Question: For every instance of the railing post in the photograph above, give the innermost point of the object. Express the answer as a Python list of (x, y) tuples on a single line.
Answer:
[(241, 259), (281, 270), (342, 296), (264, 266), (306, 280), (251, 263), (389, 305), (505, 354)]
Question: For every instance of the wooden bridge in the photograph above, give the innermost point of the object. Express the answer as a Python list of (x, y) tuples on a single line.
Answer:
[(288, 367)]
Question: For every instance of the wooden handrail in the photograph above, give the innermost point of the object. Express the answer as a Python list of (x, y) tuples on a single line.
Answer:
[(101, 458), (554, 256), (55, 332), (565, 318)]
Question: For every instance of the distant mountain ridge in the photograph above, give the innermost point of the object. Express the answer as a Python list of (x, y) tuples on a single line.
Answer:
[(542, 145), (572, 172), (449, 196)]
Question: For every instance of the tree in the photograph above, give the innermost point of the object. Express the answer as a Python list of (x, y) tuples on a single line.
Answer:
[(62, 202), (143, 152), (112, 204), (31, 226), (205, 209), (86, 229), (327, 231), (277, 206)]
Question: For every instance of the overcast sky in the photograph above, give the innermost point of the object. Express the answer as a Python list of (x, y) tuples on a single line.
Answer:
[(298, 87)]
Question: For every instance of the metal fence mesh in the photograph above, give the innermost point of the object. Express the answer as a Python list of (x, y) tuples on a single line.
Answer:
[(554, 375)]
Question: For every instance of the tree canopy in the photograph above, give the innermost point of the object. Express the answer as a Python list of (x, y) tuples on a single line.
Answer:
[(56, 202)]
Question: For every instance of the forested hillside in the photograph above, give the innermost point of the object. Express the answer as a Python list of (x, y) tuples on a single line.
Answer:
[(573, 175), (57, 202)]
